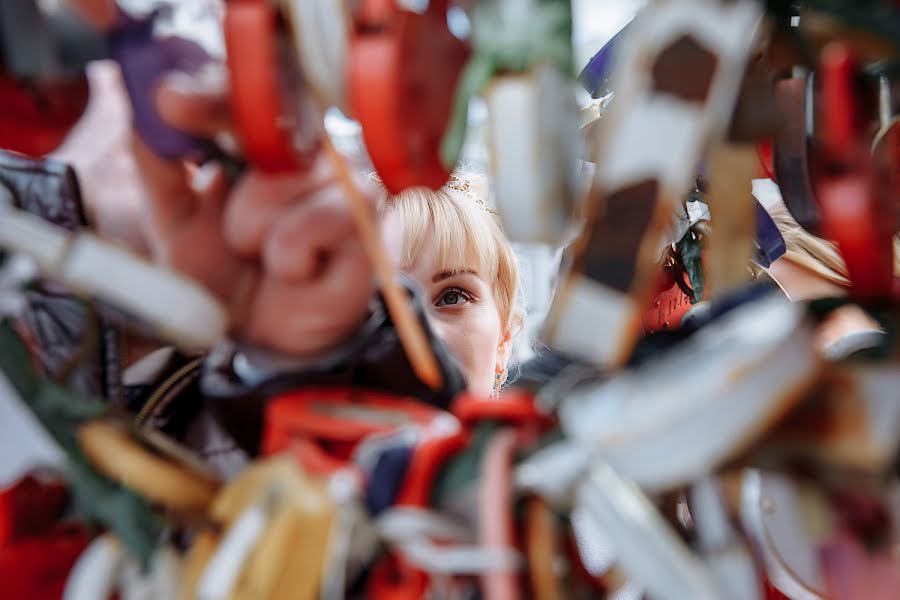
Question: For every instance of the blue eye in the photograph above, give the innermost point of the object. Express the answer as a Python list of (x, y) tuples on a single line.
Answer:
[(453, 297)]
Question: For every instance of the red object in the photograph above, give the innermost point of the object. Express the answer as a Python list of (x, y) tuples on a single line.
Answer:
[(264, 89), (840, 126), (30, 508), (393, 579), (513, 406), (315, 459), (669, 306), (403, 72), (37, 568), (428, 456), (36, 552), (772, 593), (851, 219), (766, 153), (856, 214), (36, 118), (322, 427), (339, 415)]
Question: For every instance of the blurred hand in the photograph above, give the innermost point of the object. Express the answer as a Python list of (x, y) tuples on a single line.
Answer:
[(280, 251)]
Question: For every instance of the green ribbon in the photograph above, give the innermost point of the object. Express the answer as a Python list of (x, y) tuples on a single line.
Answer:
[(99, 500), (508, 36)]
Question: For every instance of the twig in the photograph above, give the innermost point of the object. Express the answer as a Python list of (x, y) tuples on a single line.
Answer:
[(409, 329)]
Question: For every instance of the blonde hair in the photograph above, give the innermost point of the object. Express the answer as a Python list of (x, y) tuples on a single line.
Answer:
[(458, 224), (808, 251), (814, 253)]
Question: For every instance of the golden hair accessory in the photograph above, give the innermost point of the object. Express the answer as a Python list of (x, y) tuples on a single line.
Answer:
[(465, 187)]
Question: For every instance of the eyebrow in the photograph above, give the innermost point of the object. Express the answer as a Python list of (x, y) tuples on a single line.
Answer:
[(448, 274)]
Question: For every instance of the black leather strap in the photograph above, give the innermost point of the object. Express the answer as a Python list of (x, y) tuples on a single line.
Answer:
[(67, 329)]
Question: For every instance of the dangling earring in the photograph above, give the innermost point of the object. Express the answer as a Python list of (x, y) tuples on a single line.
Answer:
[(499, 380)]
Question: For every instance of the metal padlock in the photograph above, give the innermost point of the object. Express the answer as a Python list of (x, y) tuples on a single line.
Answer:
[(679, 81), (662, 429), (722, 548), (786, 521), (277, 521), (647, 548), (532, 132), (851, 427)]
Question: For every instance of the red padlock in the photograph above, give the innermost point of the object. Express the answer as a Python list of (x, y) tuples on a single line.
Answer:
[(404, 69), (337, 420), (30, 508), (513, 406), (36, 551), (37, 117), (855, 214), (276, 120), (37, 567)]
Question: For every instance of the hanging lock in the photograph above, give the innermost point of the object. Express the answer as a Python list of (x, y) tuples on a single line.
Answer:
[(395, 576), (404, 69), (850, 427), (722, 548), (327, 425), (278, 123), (532, 133), (855, 212), (97, 268), (663, 431), (646, 547), (680, 78), (522, 57), (277, 522), (786, 520), (163, 476), (733, 163)]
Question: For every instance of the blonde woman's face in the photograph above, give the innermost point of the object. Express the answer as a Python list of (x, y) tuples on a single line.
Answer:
[(463, 310)]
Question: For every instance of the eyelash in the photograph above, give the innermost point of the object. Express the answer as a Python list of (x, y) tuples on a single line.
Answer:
[(454, 290)]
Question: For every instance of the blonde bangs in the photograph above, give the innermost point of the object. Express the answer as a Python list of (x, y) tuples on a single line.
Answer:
[(445, 222)]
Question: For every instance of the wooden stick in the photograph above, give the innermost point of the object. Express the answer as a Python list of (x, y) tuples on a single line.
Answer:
[(731, 208), (409, 329)]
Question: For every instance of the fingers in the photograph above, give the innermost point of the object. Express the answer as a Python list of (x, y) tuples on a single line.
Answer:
[(196, 103), (305, 241), (259, 200), (306, 319)]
